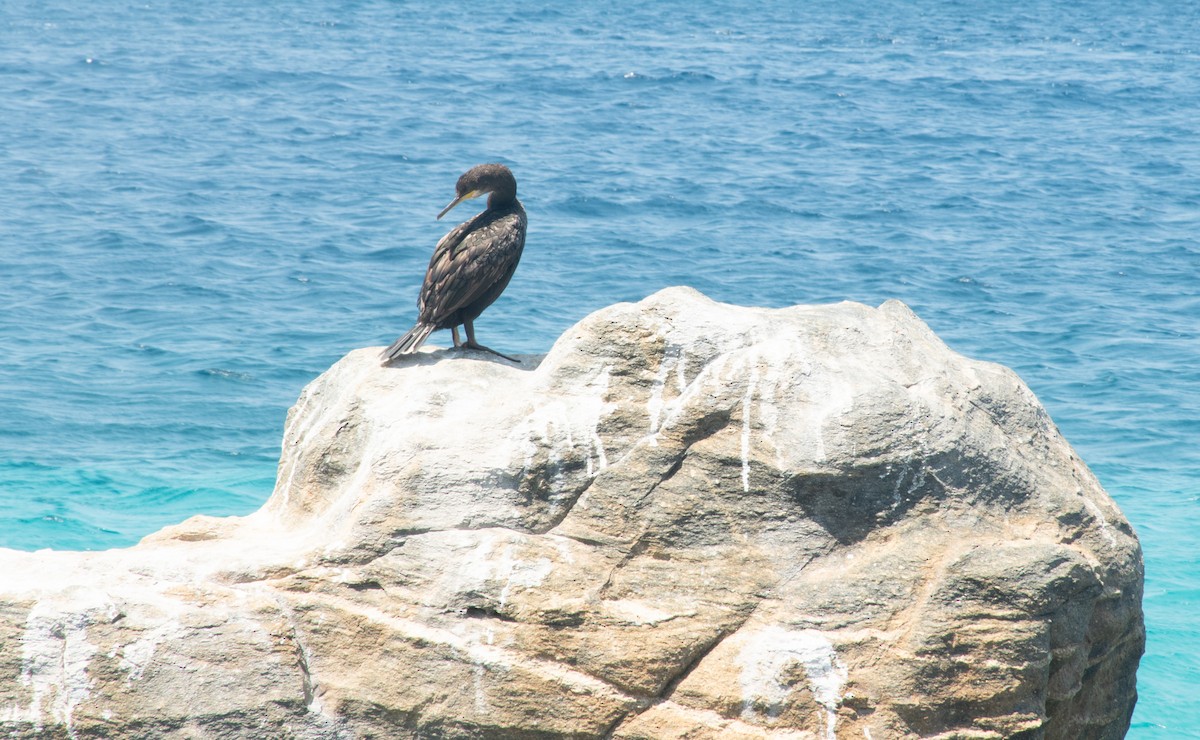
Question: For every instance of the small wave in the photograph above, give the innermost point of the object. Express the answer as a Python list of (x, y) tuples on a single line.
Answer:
[(685, 77), (216, 372)]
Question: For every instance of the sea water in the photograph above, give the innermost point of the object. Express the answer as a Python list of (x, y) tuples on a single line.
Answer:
[(204, 205)]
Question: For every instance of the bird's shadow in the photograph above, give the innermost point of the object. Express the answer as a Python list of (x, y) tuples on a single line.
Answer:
[(524, 362)]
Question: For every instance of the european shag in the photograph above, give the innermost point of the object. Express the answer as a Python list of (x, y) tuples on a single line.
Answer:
[(472, 264)]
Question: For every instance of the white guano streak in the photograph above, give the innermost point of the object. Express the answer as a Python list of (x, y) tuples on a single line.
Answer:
[(765, 657), (561, 422), (596, 411), (55, 655), (746, 402)]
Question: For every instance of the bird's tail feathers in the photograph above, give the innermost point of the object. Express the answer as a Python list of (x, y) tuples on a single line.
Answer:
[(407, 344)]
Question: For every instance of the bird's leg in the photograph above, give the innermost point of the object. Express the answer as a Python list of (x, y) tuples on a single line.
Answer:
[(472, 344), (454, 331)]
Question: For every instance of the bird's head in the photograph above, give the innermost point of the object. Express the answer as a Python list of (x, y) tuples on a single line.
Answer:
[(480, 179)]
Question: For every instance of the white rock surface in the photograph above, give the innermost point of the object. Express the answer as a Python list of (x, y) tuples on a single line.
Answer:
[(688, 520)]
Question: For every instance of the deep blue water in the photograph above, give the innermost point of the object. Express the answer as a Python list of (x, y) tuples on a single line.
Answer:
[(204, 205)]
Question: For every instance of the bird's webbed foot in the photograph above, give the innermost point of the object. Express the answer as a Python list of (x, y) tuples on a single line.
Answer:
[(472, 344)]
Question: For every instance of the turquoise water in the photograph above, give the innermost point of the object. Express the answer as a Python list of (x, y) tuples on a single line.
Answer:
[(204, 205)]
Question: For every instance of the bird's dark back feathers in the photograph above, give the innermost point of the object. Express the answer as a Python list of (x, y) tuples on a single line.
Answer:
[(472, 265)]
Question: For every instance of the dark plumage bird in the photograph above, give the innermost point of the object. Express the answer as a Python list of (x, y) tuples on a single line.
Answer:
[(471, 265)]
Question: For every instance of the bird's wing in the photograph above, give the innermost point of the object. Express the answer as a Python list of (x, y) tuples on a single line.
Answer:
[(469, 260)]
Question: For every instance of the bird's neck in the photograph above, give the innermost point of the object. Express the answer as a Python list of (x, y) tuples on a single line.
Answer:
[(501, 199)]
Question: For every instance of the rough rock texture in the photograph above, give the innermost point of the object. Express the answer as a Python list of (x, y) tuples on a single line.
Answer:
[(690, 520)]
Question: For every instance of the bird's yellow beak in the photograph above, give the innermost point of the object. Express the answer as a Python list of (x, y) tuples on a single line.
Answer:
[(459, 199)]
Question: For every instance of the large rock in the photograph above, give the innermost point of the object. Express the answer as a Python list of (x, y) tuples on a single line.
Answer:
[(689, 520)]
